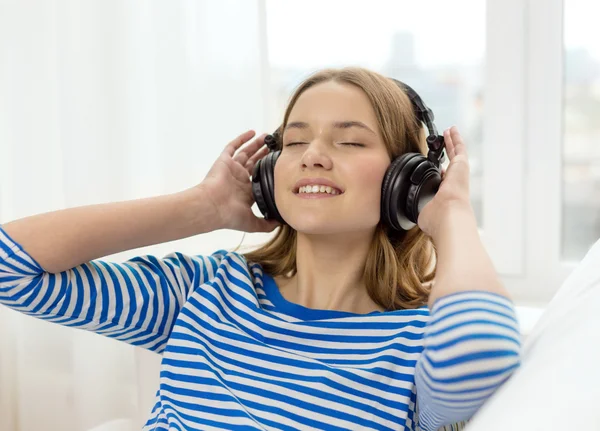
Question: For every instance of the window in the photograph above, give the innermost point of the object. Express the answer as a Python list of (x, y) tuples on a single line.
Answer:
[(444, 67), (520, 79), (581, 129)]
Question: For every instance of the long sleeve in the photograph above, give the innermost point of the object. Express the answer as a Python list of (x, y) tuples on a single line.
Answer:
[(472, 345), (136, 301)]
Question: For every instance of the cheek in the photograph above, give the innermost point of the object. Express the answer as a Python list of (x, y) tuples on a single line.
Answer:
[(370, 179)]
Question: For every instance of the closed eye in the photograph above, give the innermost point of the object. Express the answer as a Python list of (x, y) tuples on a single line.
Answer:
[(354, 144)]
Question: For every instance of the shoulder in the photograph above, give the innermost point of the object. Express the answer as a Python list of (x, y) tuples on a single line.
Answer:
[(200, 268), (234, 265)]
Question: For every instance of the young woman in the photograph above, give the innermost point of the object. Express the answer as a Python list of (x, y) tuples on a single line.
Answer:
[(340, 322)]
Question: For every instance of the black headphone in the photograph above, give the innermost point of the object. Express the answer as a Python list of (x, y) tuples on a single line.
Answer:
[(410, 182)]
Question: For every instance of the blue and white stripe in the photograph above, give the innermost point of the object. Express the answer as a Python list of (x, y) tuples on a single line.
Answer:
[(237, 356)]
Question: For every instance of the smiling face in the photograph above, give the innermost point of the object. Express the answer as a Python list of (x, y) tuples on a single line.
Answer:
[(329, 174)]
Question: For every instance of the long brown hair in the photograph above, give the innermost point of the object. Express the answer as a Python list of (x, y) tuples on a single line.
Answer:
[(399, 267)]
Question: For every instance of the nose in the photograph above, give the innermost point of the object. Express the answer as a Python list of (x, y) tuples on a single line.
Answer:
[(316, 156)]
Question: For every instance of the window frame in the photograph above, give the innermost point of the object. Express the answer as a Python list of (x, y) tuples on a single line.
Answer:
[(541, 157), (504, 134)]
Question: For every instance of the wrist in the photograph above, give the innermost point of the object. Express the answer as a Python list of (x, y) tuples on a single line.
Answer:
[(454, 218), (199, 214)]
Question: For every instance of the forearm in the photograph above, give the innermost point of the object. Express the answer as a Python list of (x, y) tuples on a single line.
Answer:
[(463, 263), (63, 239), (472, 345)]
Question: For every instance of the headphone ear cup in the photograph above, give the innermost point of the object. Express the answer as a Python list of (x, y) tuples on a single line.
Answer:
[(257, 191), (395, 188), (263, 186), (425, 181)]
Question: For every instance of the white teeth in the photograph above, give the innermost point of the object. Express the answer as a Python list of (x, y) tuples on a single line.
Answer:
[(318, 189)]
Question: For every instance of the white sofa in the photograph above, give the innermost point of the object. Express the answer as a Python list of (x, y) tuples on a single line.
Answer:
[(558, 384), (116, 425)]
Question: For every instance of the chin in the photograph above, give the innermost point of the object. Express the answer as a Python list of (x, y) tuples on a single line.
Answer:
[(327, 226), (317, 230), (312, 225)]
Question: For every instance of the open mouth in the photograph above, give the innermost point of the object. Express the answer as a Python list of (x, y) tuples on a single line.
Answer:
[(318, 190)]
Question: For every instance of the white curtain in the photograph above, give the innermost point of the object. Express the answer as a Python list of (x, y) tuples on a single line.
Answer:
[(108, 100)]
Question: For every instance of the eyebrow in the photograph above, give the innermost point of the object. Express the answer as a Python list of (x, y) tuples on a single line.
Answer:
[(336, 124)]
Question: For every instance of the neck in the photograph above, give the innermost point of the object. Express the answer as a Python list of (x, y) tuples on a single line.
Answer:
[(330, 273)]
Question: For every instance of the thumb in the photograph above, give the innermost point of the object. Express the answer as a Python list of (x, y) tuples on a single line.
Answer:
[(459, 169)]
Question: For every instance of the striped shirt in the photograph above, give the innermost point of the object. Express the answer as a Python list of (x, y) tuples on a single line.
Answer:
[(236, 355)]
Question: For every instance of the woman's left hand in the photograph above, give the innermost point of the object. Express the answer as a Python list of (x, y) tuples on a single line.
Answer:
[(453, 194)]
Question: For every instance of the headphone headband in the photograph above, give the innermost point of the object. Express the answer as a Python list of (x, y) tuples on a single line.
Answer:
[(435, 142)]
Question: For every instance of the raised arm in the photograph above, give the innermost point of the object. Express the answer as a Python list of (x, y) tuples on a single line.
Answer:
[(472, 342), (48, 267), (136, 301), (64, 239)]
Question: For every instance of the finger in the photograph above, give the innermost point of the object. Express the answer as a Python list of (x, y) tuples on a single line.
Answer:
[(457, 140), (241, 158), (233, 146), (256, 145), (241, 174), (449, 144), (255, 158), (244, 154), (250, 149)]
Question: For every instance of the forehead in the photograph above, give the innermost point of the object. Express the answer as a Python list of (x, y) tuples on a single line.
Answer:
[(330, 101)]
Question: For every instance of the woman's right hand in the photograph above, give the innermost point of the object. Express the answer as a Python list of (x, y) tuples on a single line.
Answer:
[(228, 185)]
